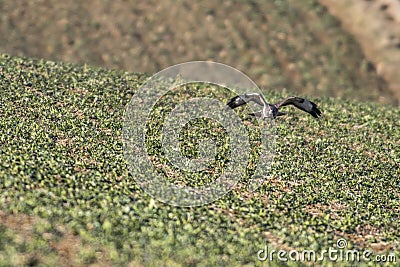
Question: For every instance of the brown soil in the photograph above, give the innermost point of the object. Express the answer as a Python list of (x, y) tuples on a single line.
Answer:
[(65, 246), (376, 26), (280, 44)]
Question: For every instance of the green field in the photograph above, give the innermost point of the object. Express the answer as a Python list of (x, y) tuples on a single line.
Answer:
[(279, 43), (66, 196)]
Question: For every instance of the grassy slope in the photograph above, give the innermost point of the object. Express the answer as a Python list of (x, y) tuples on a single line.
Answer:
[(61, 162), (281, 43)]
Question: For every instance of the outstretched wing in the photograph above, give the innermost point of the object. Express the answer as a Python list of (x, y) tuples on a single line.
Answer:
[(302, 104), (241, 100)]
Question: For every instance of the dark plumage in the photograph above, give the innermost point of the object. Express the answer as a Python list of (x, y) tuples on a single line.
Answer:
[(272, 110)]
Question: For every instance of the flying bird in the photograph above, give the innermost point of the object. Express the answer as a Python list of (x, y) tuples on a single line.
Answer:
[(272, 110)]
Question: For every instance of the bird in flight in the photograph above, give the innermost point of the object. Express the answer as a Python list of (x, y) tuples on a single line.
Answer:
[(272, 110)]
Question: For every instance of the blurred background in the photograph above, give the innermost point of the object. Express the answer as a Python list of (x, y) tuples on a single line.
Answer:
[(348, 49)]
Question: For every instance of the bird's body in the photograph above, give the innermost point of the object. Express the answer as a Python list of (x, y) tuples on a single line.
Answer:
[(272, 110)]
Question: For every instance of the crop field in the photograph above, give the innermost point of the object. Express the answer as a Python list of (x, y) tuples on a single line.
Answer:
[(67, 197), (279, 43)]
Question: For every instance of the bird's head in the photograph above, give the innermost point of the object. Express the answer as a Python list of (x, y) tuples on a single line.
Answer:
[(273, 112)]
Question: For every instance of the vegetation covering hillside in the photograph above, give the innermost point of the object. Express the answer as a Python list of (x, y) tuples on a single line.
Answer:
[(278, 43), (66, 196)]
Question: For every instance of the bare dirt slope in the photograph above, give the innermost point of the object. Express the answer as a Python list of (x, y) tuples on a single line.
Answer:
[(376, 26), (289, 44)]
